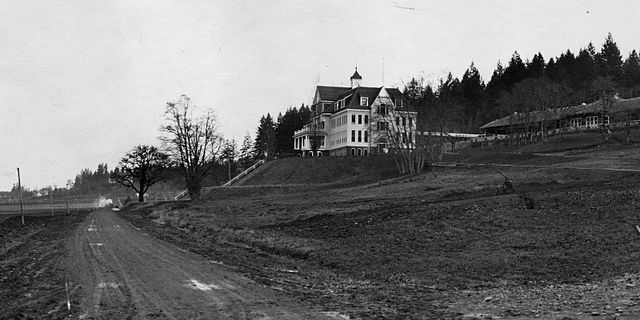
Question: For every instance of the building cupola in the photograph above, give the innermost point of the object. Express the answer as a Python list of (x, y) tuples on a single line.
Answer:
[(355, 79)]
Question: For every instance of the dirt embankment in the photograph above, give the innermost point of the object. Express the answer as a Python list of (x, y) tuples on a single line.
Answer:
[(318, 170), (443, 244)]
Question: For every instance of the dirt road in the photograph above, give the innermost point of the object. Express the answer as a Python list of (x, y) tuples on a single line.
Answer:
[(125, 273)]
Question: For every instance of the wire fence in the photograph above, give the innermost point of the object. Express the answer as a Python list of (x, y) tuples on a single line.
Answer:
[(56, 206), (43, 205)]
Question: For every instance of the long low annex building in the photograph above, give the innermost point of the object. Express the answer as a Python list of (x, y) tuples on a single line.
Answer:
[(618, 113)]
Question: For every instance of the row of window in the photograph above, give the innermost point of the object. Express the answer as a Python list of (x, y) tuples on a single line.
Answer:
[(342, 138), (591, 121), (360, 135), (364, 102), (339, 121), (360, 118), (404, 121), (342, 120), (359, 152), (356, 136)]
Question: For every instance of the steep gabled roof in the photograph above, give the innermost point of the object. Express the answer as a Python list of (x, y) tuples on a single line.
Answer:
[(395, 94), (329, 93), (371, 93), (356, 75)]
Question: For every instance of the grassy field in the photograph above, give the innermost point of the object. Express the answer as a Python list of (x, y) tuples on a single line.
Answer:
[(440, 245), (345, 170)]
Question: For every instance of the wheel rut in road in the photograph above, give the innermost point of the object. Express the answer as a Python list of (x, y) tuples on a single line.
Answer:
[(124, 273)]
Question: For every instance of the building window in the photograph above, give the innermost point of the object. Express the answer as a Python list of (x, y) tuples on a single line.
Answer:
[(353, 136), (366, 119), (366, 152), (576, 122), (353, 152), (410, 137), (404, 121), (353, 118), (364, 101), (410, 121), (382, 110), (359, 152), (359, 136), (366, 136), (359, 119), (397, 121), (382, 125)]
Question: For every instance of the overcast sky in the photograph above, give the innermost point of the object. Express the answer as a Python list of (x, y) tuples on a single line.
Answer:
[(82, 82)]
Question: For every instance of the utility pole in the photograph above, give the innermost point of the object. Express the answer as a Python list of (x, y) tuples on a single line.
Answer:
[(66, 199), (51, 200), (20, 192)]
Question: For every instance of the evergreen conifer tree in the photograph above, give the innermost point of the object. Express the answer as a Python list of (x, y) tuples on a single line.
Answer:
[(609, 61), (265, 144), (631, 74)]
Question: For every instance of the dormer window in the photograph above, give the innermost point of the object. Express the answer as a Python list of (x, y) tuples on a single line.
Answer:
[(364, 101)]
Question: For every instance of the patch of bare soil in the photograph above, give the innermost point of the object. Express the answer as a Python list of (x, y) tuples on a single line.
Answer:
[(33, 277), (442, 245)]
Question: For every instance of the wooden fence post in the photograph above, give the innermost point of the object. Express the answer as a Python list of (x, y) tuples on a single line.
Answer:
[(20, 191)]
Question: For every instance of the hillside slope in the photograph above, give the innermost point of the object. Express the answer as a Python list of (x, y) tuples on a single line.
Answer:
[(344, 170)]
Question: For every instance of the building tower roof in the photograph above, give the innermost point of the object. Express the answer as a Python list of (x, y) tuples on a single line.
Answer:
[(356, 75)]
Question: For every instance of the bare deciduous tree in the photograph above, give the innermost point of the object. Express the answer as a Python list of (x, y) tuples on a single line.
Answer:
[(605, 90), (397, 126), (193, 141), (141, 168)]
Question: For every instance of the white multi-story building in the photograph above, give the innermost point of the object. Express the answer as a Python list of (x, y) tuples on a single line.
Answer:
[(355, 121)]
